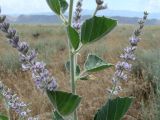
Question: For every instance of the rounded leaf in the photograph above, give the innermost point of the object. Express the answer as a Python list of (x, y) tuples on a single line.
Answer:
[(95, 63), (95, 28), (114, 109), (64, 5), (73, 37), (58, 6), (65, 103)]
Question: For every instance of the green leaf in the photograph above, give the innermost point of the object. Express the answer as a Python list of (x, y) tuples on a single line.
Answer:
[(95, 28), (2, 117), (114, 109), (95, 63), (64, 5), (85, 77), (57, 116), (67, 65), (73, 36), (65, 103), (58, 6)]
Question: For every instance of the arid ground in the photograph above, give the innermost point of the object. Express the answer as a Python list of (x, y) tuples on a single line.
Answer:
[(51, 43)]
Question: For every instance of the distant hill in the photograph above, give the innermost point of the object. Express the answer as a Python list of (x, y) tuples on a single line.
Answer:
[(129, 20), (36, 19), (124, 13), (108, 12), (53, 19)]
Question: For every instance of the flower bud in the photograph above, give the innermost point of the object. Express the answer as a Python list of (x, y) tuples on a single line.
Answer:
[(102, 7), (99, 2), (2, 19), (4, 27), (14, 41), (23, 47), (11, 34)]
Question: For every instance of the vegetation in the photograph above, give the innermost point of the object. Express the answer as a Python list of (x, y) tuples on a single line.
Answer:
[(107, 48), (66, 103)]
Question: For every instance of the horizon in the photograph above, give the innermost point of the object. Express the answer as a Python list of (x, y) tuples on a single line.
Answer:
[(109, 13), (40, 6)]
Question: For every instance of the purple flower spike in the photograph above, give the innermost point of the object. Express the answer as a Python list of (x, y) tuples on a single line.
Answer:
[(11, 34), (52, 84), (14, 41), (23, 47), (122, 68), (14, 102), (32, 55), (39, 66), (5, 27), (77, 17), (128, 56), (134, 41), (28, 57)]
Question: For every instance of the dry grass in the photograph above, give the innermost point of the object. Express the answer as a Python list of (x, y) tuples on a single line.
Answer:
[(52, 47)]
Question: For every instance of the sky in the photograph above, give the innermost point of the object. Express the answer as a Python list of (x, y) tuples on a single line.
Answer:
[(40, 6)]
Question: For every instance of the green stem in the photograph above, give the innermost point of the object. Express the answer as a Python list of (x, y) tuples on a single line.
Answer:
[(8, 110), (112, 92), (95, 12), (73, 78), (73, 75), (73, 60), (70, 12), (62, 17)]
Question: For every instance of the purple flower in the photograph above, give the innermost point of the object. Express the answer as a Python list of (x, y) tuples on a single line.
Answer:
[(123, 67), (26, 67), (130, 49), (11, 33), (4, 26), (52, 85), (134, 41), (14, 41), (32, 55), (43, 80), (13, 101), (23, 47), (77, 16), (128, 56), (38, 66), (28, 57), (116, 91), (120, 75)]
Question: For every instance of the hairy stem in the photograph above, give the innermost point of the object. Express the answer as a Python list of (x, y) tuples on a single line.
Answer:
[(73, 61), (95, 12), (70, 12)]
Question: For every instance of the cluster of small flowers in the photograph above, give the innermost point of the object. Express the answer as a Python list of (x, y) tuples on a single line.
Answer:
[(100, 5), (77, 16), (13, 101), (28, 58), (123, 67)]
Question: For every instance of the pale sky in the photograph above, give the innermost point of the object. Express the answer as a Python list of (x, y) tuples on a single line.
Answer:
[(40, 6)]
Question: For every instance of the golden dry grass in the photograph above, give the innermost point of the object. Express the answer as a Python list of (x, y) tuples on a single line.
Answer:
[(52, 48)]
